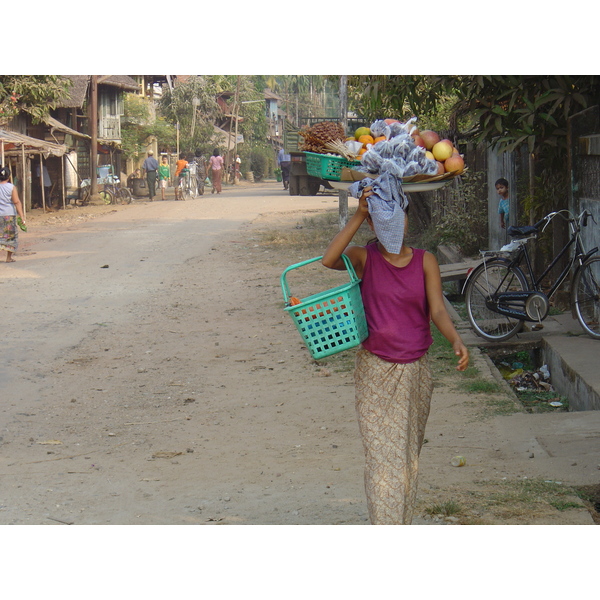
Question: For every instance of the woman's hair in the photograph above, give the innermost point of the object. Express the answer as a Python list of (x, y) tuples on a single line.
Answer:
[(216, 152), (4, 173), (501, 181)]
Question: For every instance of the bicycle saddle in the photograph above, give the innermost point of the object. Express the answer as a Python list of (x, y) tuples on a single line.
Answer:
[(522, 232)]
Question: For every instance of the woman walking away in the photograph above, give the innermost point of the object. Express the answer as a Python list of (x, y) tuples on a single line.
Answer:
[(10, 208), (401, 290), (216, 166)]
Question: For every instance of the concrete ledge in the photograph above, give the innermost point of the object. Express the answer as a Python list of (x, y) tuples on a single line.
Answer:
[(574, 367)]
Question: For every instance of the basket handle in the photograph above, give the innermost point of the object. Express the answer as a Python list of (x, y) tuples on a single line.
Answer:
[(284, 285)]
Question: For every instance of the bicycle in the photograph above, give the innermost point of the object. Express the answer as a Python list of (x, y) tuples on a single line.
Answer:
[(500, 296), (184, 190), (111, 193), (114, 192)]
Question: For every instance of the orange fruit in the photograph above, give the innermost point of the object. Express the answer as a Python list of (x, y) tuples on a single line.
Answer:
[(366, 139), (362, 151), (379, 139)]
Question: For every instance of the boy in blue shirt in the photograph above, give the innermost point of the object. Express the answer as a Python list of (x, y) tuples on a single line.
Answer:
[(504, 204)]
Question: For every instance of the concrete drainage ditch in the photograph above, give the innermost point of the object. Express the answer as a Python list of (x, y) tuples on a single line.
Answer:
[(563, 388)]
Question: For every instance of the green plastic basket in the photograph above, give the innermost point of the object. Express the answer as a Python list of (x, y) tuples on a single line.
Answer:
[(332, 321), (327, 166)]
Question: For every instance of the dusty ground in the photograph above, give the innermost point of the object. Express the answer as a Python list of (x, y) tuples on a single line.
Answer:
[(195, 401)]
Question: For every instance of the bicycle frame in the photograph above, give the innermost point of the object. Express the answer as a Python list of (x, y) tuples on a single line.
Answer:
[(514, 304), (578, 257)]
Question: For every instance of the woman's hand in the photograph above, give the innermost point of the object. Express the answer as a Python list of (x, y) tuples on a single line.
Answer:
[(363, 206), (461, 351)]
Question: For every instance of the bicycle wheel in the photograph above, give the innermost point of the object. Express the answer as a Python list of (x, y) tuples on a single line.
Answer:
[(84, 196), (586, 290), (493, 277), (106, 197), (185, 192), (125, 196)]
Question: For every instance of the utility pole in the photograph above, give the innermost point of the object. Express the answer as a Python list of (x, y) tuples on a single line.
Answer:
[(94, 135), (237, 112), (343, 194)]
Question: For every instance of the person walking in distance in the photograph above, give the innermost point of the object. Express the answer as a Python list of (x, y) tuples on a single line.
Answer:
[(285, 163), (401, 290), (10, 209), (216, 166), (164, 174), (150, 167)]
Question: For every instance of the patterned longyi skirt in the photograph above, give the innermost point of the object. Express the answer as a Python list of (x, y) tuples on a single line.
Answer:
[(8, 233), (392, 406)]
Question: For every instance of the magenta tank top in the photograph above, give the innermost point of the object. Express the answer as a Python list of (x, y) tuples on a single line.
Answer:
[(396, 307)]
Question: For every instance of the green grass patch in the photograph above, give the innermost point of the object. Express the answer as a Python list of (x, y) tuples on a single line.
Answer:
[(540, 401), (447, 509), (527, 496)]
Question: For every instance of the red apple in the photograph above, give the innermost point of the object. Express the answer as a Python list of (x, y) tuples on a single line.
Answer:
[(454, 163), (419, 141), (431, 138), (441, 167), (390, 121)]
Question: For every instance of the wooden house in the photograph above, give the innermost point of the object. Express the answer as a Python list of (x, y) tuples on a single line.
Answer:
[(61, 145)]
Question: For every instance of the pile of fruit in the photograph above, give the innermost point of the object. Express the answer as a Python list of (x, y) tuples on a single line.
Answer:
[(319, 136), (441, 150)]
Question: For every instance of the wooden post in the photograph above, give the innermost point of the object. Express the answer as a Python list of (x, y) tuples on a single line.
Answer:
[(343, 194), (344, 102), (42, 183), (94, 135), (63, 191), (343, 204), (24, 188)]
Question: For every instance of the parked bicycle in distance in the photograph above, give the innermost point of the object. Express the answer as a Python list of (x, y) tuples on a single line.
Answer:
[(502, 293), (112, 192)]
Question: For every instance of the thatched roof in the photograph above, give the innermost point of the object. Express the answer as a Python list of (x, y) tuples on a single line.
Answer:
[(124, 82), (77, 93), (80, 84)]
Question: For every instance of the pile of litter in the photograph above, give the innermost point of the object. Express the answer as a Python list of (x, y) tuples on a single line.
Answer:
[(528, 381)]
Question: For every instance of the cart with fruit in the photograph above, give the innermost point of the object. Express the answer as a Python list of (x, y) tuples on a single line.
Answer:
[(422, 160)]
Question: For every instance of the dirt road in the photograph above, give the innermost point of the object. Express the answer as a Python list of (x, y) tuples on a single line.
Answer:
[(153, 378)]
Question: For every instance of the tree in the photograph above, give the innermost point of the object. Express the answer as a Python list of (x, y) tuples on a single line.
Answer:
[(137, 126), (401, 97), (510, 112), (32, 94), (192, 104)]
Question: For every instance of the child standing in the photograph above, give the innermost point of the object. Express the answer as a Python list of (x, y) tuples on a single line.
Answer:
[(164, 174), (401, 293), (504, 204)]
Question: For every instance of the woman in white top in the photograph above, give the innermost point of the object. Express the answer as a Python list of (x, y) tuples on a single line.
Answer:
[(10, 208)]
